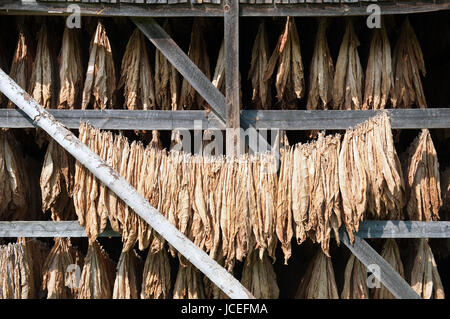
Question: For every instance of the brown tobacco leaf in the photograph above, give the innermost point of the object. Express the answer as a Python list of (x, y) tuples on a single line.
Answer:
[(58, 282), (290, 82), (261, 94), (425, 279), (128, 277), (100, 82), (321, 74), (391, 254), (355, 280), (379, 76), (318, 281), (16, 272), (37, 251), (408, 63), (22, 63), (42, 81), (137, 77), (156, 278), (347, 83), (423, 179), (57, 182), (70, 70), (97, 277), (189, 284), (189, 98), (166, 80), (259, 277), (14, 179)]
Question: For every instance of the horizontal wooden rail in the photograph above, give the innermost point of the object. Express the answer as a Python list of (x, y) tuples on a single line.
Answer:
[(367, 229), (210, 10), (285, 120)]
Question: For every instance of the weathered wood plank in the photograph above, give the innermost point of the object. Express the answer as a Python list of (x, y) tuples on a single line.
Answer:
[(387, 275), (156, 34), (231, 38), (367, 229)]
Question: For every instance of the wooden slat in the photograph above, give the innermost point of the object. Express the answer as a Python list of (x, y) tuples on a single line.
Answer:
[(286, 120), (231, 42), (367, 229), (212, 10), (388, 276), (336, 120), (118, 119), (156, 34)]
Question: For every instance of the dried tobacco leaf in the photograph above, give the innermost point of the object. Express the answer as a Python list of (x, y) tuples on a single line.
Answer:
[(347, 83), (128, 278), (189, 284), (290, 81), (391, 254), (321, 74), (136, 76), (100, 82), (318, 281), (35, 251), (355, 280), (259, 277), (379, 76), (423, 187), (58, 281), (156, 278), (97, 277), (408, 63), (70, 70), (261, 94), (425, 279)]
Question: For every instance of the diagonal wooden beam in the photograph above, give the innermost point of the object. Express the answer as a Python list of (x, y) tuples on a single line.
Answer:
[(159, 37), (387, 275)]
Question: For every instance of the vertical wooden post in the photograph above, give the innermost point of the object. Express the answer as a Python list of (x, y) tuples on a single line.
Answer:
[(231, 35)]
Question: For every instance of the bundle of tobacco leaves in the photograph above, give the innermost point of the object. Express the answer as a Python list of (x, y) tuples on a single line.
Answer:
[(59, 281), (370, 176), (391, 254), (189, 284), (348, 79), (156, 277), (128, 278), (189, 98), (315, 199), (97, 277), (379, 81), (425, 279), (42, 80), (100, 82), (37, 251), (261, 95), (136, 76), (57, 182), (422, 179), (70, 70), (14, 188), (408, 63), (318, 281), (284, 201), (290, 81), (259, 277), (22, 62), (321, 74), (16, 272), (355, 280), (166, 80)]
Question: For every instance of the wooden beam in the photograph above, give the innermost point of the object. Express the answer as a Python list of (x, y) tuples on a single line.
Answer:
[(387, 275), (367, 229), (286, 120), (231, 38), (156, 34)]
